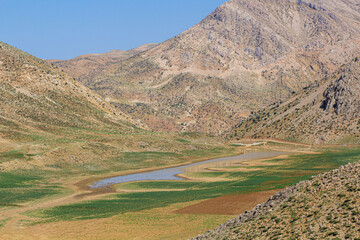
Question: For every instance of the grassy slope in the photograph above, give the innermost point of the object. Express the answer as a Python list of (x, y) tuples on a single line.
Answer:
[(54, 132)]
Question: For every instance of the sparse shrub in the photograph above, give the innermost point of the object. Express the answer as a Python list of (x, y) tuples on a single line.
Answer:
[(334, 233), (340, 195)]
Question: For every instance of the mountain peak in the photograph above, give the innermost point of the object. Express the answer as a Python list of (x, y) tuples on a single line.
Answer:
[(242, 57), (258, 33)]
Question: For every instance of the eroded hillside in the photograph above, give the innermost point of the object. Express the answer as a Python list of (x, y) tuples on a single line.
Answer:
[(50, 121), (242, 57), (85, 66), (327, 112), (33, 93)]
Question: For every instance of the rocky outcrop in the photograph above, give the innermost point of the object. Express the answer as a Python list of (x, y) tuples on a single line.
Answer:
[(326, 112), (343, 96), (325, 206)]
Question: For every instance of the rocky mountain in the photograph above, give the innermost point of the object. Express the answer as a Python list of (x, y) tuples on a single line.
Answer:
[(326, 207), (85, 66), (35, 95), (242, 57), (326, 112)]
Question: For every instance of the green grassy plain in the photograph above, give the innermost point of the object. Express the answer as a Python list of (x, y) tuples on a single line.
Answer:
[(43, 167), (274, 174), (19, 187), (37, 165)]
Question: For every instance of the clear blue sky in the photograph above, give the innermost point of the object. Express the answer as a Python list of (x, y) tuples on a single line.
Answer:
[(63, 29)]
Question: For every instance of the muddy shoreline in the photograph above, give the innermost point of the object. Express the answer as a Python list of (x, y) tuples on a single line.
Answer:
[(106, 185)]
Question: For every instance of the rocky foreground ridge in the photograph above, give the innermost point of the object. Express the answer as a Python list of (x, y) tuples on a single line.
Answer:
[(325, 207)]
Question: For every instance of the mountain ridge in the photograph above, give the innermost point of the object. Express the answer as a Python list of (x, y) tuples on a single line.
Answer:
[(242, 57), (35, 93), (326, 112), (85, 65)]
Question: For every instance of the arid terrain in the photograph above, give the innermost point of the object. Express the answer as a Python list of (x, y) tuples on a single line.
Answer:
[(326, 112), (252, 108), (88, 65), (237, 60)]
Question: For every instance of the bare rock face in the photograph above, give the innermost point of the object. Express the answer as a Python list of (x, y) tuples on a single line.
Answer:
[(258, 33), (327, 112), (343, 96), (242, 57)]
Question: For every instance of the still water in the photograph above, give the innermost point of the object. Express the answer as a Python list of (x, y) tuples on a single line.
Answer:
[(171, 173)]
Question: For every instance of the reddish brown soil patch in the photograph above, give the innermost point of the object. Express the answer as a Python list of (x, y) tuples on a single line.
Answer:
[(277, 182), (84, 185), (228, 204)]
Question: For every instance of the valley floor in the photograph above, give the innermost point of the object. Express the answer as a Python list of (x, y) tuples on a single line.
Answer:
[(164, 209)]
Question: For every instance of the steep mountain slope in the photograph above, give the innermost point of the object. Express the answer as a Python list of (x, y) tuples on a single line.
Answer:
[(326, 207), (85, 66), (243, 56), (50, 122), (325, 112), (33, 94), (49, 119)]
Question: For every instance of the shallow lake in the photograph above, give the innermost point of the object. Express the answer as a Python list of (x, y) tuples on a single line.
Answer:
[(172, 173)]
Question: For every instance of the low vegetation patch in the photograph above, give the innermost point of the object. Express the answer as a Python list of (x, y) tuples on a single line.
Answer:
[(326, 207), (270, 177), (19, 187)]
